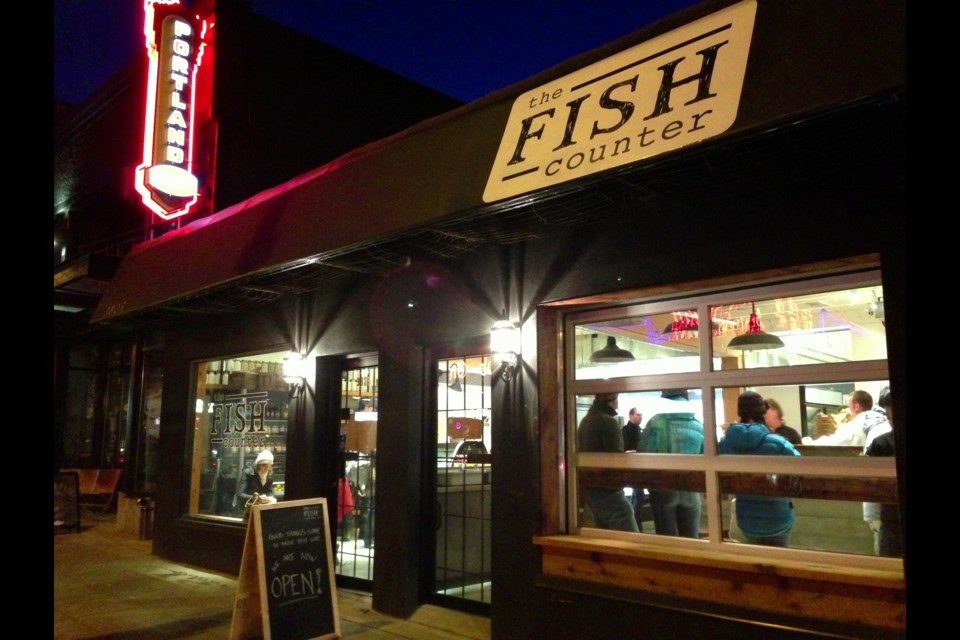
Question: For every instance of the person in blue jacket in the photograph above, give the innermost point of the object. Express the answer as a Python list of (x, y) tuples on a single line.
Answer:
[(763, 520), (677, 431)]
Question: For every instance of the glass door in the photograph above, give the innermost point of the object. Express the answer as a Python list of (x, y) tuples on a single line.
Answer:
[(359, 405), (463, 468)]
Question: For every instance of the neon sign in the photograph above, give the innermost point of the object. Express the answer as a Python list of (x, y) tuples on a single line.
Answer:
[(167, 179)]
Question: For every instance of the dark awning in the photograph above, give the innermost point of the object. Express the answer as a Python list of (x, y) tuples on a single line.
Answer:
[(804, 59)]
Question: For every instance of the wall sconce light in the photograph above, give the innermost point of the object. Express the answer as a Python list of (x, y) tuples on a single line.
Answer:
[(294, 373), (454, 374), (755, 338), (505, 345)]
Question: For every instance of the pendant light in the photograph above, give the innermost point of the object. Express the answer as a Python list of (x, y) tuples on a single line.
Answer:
[(755, 338), (611, 353)]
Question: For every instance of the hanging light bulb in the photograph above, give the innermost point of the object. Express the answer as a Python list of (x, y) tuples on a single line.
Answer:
[(755, 338)]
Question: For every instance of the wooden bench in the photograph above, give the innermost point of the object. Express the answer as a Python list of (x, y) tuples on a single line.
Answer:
[(98, 487)]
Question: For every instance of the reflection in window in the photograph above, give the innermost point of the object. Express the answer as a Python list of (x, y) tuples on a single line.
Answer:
[(829, 326), (241, 412), (833, 325), (658, 343)]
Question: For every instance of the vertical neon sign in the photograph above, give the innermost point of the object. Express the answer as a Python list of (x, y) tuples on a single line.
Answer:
[(167, 178)]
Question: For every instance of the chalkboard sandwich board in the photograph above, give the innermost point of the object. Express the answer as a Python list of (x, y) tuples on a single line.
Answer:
[(287, 589), (66, 501)]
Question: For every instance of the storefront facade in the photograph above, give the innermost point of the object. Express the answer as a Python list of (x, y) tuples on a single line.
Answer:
[(735, 157)]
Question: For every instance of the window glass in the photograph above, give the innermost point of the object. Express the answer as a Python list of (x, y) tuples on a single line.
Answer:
[(81, 405), (831, 419), (116, 413), (462, 545), (834, 325), (657, 421), (356, 515), (821, 513), (662, 502), (637, 345), (152, 394), (810, 367), (241, 412)]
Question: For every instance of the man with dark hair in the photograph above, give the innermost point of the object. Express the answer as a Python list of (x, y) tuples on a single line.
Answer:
[(773, 418), (632, 437), (600, 431), (631, 430), (675, 431)]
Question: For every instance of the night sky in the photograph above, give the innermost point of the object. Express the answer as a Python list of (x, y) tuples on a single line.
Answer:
[(465, 49)]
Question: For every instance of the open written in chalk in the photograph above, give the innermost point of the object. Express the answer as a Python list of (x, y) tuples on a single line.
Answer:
[(286, 588)]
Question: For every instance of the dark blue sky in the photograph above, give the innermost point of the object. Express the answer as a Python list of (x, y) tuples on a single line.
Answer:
[(464, 48)]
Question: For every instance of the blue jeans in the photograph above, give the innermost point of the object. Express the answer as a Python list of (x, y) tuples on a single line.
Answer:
[(676, 513), (611, 509)]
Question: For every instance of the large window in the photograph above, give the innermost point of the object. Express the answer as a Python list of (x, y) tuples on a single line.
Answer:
[(241, 412), (676, 369)]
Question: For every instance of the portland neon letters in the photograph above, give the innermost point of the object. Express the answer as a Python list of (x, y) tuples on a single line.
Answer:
[(167, 179)]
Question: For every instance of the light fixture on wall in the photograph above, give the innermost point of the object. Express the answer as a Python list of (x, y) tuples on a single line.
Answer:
[(505, 345), (611, 353), (454, 375), (755, 338), (294, 372)]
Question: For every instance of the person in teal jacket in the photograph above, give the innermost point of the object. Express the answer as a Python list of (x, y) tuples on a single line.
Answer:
[(763, 520), (675, 512)]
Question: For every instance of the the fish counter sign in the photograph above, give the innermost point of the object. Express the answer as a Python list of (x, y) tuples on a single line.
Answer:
[(176, 43)]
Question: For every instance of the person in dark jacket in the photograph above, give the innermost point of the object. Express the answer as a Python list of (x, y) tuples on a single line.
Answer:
[(631, 430), (763, 520), (259, 482), (773, 418), (888, 541), (600, 431), (675, 512), (631, 443)]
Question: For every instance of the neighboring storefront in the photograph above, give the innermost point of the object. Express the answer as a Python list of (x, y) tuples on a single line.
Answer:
[(719, 198)]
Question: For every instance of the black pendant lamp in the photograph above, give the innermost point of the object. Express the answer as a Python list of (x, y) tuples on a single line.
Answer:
[(755, 338), (611, 353)]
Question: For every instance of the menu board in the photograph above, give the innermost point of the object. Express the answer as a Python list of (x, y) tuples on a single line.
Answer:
[(287, 589), (66, 501)]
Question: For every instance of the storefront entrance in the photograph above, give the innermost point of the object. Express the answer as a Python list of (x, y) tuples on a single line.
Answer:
[(359, 405), (463, 470)]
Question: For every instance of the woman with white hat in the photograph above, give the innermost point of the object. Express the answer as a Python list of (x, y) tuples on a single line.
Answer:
[(260, 482)]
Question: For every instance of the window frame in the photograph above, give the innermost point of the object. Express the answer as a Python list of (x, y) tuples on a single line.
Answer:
[(707, 379)]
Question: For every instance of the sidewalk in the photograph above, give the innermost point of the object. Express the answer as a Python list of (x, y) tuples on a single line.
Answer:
[(107, 584)]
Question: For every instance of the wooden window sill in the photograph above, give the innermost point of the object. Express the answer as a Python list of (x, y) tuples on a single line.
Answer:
[(855, 595)]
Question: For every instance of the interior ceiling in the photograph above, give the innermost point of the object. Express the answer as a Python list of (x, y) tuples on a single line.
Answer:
[(722, 172)]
